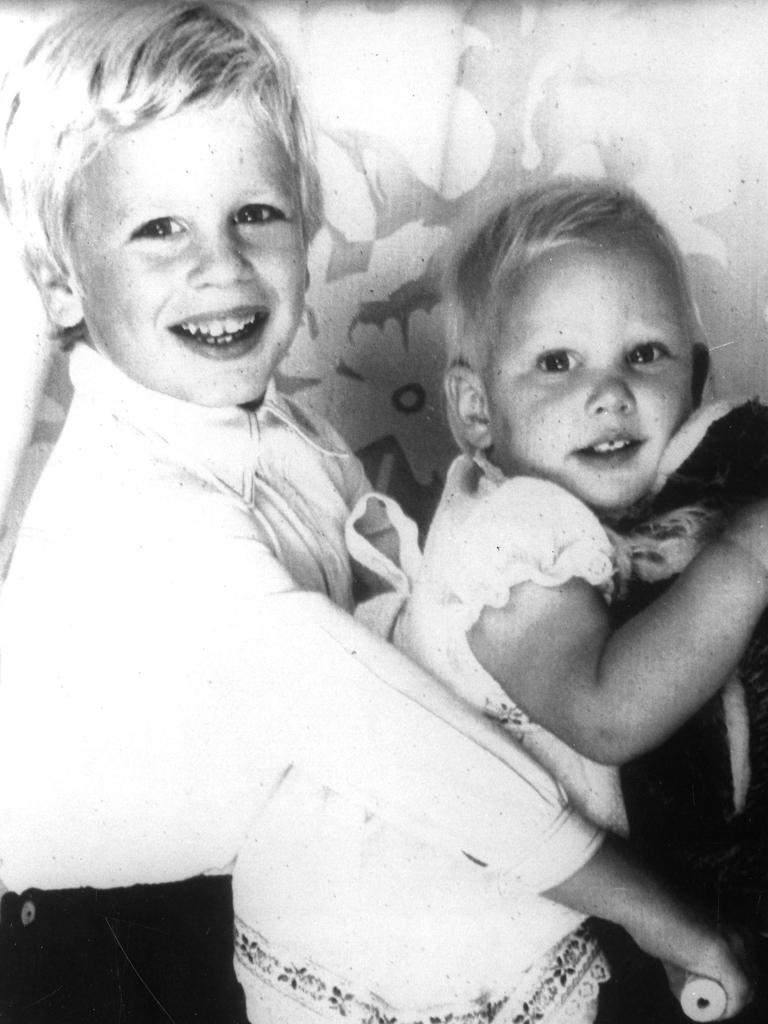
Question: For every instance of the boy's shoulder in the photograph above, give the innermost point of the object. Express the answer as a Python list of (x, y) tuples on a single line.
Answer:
[(302, 448), (305, 424), (108, 477)]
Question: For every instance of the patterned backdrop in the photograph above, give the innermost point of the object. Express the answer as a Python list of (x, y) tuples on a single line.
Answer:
[(425, 112)]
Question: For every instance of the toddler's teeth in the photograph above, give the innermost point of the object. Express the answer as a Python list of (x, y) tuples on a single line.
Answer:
[(610, 446)]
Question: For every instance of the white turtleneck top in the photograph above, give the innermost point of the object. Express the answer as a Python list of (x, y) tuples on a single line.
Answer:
[(179, 686)]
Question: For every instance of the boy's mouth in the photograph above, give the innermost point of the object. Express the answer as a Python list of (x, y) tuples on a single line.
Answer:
[(223, 336)]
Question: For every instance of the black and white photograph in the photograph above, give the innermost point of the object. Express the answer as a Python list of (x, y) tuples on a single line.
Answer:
[(384, 511)]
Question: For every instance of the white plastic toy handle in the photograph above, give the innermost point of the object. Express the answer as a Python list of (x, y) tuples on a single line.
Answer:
[(702, 999)]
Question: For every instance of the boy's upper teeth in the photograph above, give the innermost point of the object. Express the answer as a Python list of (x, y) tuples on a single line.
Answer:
[(610, 446), (218, 326)]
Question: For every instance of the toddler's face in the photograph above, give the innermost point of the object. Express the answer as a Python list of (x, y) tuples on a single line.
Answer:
[(593, 374), (188, 259)]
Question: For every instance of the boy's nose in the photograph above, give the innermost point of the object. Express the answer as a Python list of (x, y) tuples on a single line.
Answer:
[(611, 395), (219, 259)]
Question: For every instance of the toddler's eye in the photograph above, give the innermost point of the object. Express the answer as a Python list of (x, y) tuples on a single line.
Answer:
[(258, 213), (558, 361), (648, 352), (160, 227)]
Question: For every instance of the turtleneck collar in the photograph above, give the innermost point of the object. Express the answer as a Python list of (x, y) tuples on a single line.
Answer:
[(226, 439)]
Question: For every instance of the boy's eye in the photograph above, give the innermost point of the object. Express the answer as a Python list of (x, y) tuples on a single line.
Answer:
[(559, 361), (648, 352), (258, 213), (160, 227)]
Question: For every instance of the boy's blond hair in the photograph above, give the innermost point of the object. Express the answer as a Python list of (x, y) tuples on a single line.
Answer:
[(112, 67), (483, 270)]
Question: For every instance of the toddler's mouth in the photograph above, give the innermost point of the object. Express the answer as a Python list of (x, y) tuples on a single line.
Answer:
[(222, 336), (610, 446), (617, 446)]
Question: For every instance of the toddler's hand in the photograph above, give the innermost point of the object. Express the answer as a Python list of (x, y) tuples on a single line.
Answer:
[(724, 960)]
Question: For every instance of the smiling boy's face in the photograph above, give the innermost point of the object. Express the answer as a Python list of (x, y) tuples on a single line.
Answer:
[(187, 257)]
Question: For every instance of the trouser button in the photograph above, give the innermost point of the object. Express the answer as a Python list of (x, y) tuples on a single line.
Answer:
[(28, 912)]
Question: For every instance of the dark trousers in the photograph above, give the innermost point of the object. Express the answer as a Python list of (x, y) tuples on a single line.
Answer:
[(144, 954)]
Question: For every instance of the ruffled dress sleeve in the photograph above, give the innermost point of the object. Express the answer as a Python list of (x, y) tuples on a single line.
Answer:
[(488, 540)]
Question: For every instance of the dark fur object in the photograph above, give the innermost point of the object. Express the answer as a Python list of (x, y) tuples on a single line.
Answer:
[(690, 808)]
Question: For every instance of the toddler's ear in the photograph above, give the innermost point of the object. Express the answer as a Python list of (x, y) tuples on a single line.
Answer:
[(468, 408), (61, 300)]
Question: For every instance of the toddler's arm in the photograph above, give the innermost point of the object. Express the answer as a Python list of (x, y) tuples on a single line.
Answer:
[(613, 696), (616, 887)]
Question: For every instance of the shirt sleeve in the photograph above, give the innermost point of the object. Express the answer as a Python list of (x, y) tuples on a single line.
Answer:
[(178, 679)]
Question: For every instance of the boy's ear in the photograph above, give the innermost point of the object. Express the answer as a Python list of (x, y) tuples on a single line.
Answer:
[(468, 406), (61, 299)]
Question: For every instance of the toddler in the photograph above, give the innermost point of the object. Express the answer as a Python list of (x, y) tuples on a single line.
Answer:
[(575, 358), (184, 693)]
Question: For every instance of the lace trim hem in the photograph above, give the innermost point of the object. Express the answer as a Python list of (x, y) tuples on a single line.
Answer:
[(566, 990)]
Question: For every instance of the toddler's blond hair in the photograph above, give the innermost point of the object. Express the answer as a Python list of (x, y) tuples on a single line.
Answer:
[(485, 266)]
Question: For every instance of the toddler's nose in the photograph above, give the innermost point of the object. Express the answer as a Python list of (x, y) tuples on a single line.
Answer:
[(611, 395)]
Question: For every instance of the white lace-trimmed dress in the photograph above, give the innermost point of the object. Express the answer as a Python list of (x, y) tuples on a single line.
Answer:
[(342, 916), (488, 535)]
